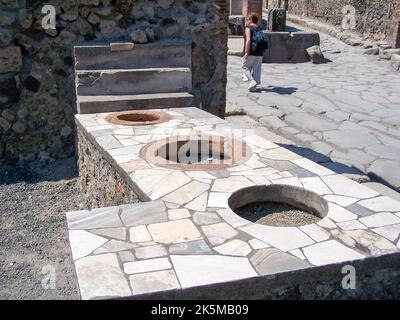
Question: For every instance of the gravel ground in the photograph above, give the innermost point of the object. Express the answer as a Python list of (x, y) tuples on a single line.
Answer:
[(276, 214), (33, 232)]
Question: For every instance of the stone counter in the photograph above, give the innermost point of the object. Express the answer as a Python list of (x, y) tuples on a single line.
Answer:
[(187, 240)]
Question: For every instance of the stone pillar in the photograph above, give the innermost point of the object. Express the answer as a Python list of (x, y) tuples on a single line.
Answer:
[(236, 8), (253, 6), (285, 5), (395, 29)]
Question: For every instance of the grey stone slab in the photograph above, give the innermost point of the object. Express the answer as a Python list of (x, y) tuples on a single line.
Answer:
[(288, 131), (273, 261), (231, 184), (380, 204), (83, 243), (151, 55), (310, 123), (143, 213), (108, 142), (341, 168), (126, 256), (383, 169), (359, 210), (99, 133), (312, 166), (330, 252), (123, 151), (219, 233), (346, 187), (197, 270), (302, 173), (272, 122), (305, 137), (187, 193), (235, 247), (380, 220), (133, 81), (114, 103), (94, 219), (157, 183), (391, 232), (309, 154), (193, 113), (114, 246), (338, 115), (322, 147), (256, 111), (204, 218), (353, 158), (148, 265), (154, 282), (190, 248), (280, 165), (116, 233), (351, 225), (101, 277), (384, 190), (285, 239), (350, 138), (274, 99), (174, 231), (150, 252), (368, 242), (339, 214)]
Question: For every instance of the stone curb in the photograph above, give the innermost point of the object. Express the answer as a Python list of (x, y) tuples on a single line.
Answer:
[(350, 38)]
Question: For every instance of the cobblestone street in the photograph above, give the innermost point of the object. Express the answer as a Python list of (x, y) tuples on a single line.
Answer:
[(346, 109)]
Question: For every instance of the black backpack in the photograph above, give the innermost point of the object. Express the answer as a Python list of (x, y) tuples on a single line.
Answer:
[(259, 42)]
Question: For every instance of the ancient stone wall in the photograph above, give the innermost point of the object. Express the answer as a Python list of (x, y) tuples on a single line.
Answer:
[(374, 18), (100, 184), (37, 95)]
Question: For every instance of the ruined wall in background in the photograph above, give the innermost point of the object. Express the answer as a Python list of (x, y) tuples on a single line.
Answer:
[(37, 97), (375, 18)]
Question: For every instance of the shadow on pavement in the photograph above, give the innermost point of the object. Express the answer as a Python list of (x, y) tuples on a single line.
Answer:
[(279, 90), (323, 160)]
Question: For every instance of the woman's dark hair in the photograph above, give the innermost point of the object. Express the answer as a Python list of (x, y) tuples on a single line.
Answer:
[(253, 17)]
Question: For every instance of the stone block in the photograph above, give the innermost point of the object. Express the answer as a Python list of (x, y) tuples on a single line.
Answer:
[(143, 213), (10, 59), (272, 261), (202, 270), (286, 47), (8, 89), (114, 103), (121, 46), (100, 277), (158, 54), (5, 37), (133, 81), (395, 61), (277, 20), (315, 54)]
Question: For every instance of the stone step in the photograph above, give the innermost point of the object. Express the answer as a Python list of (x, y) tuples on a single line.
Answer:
[(115, 103), (158, 54), (133, 81)]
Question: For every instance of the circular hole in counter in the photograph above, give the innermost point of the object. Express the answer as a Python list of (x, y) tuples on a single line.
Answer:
[(278, 205)]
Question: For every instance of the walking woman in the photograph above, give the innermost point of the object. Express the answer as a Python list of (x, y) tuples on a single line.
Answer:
[(255, 45)]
